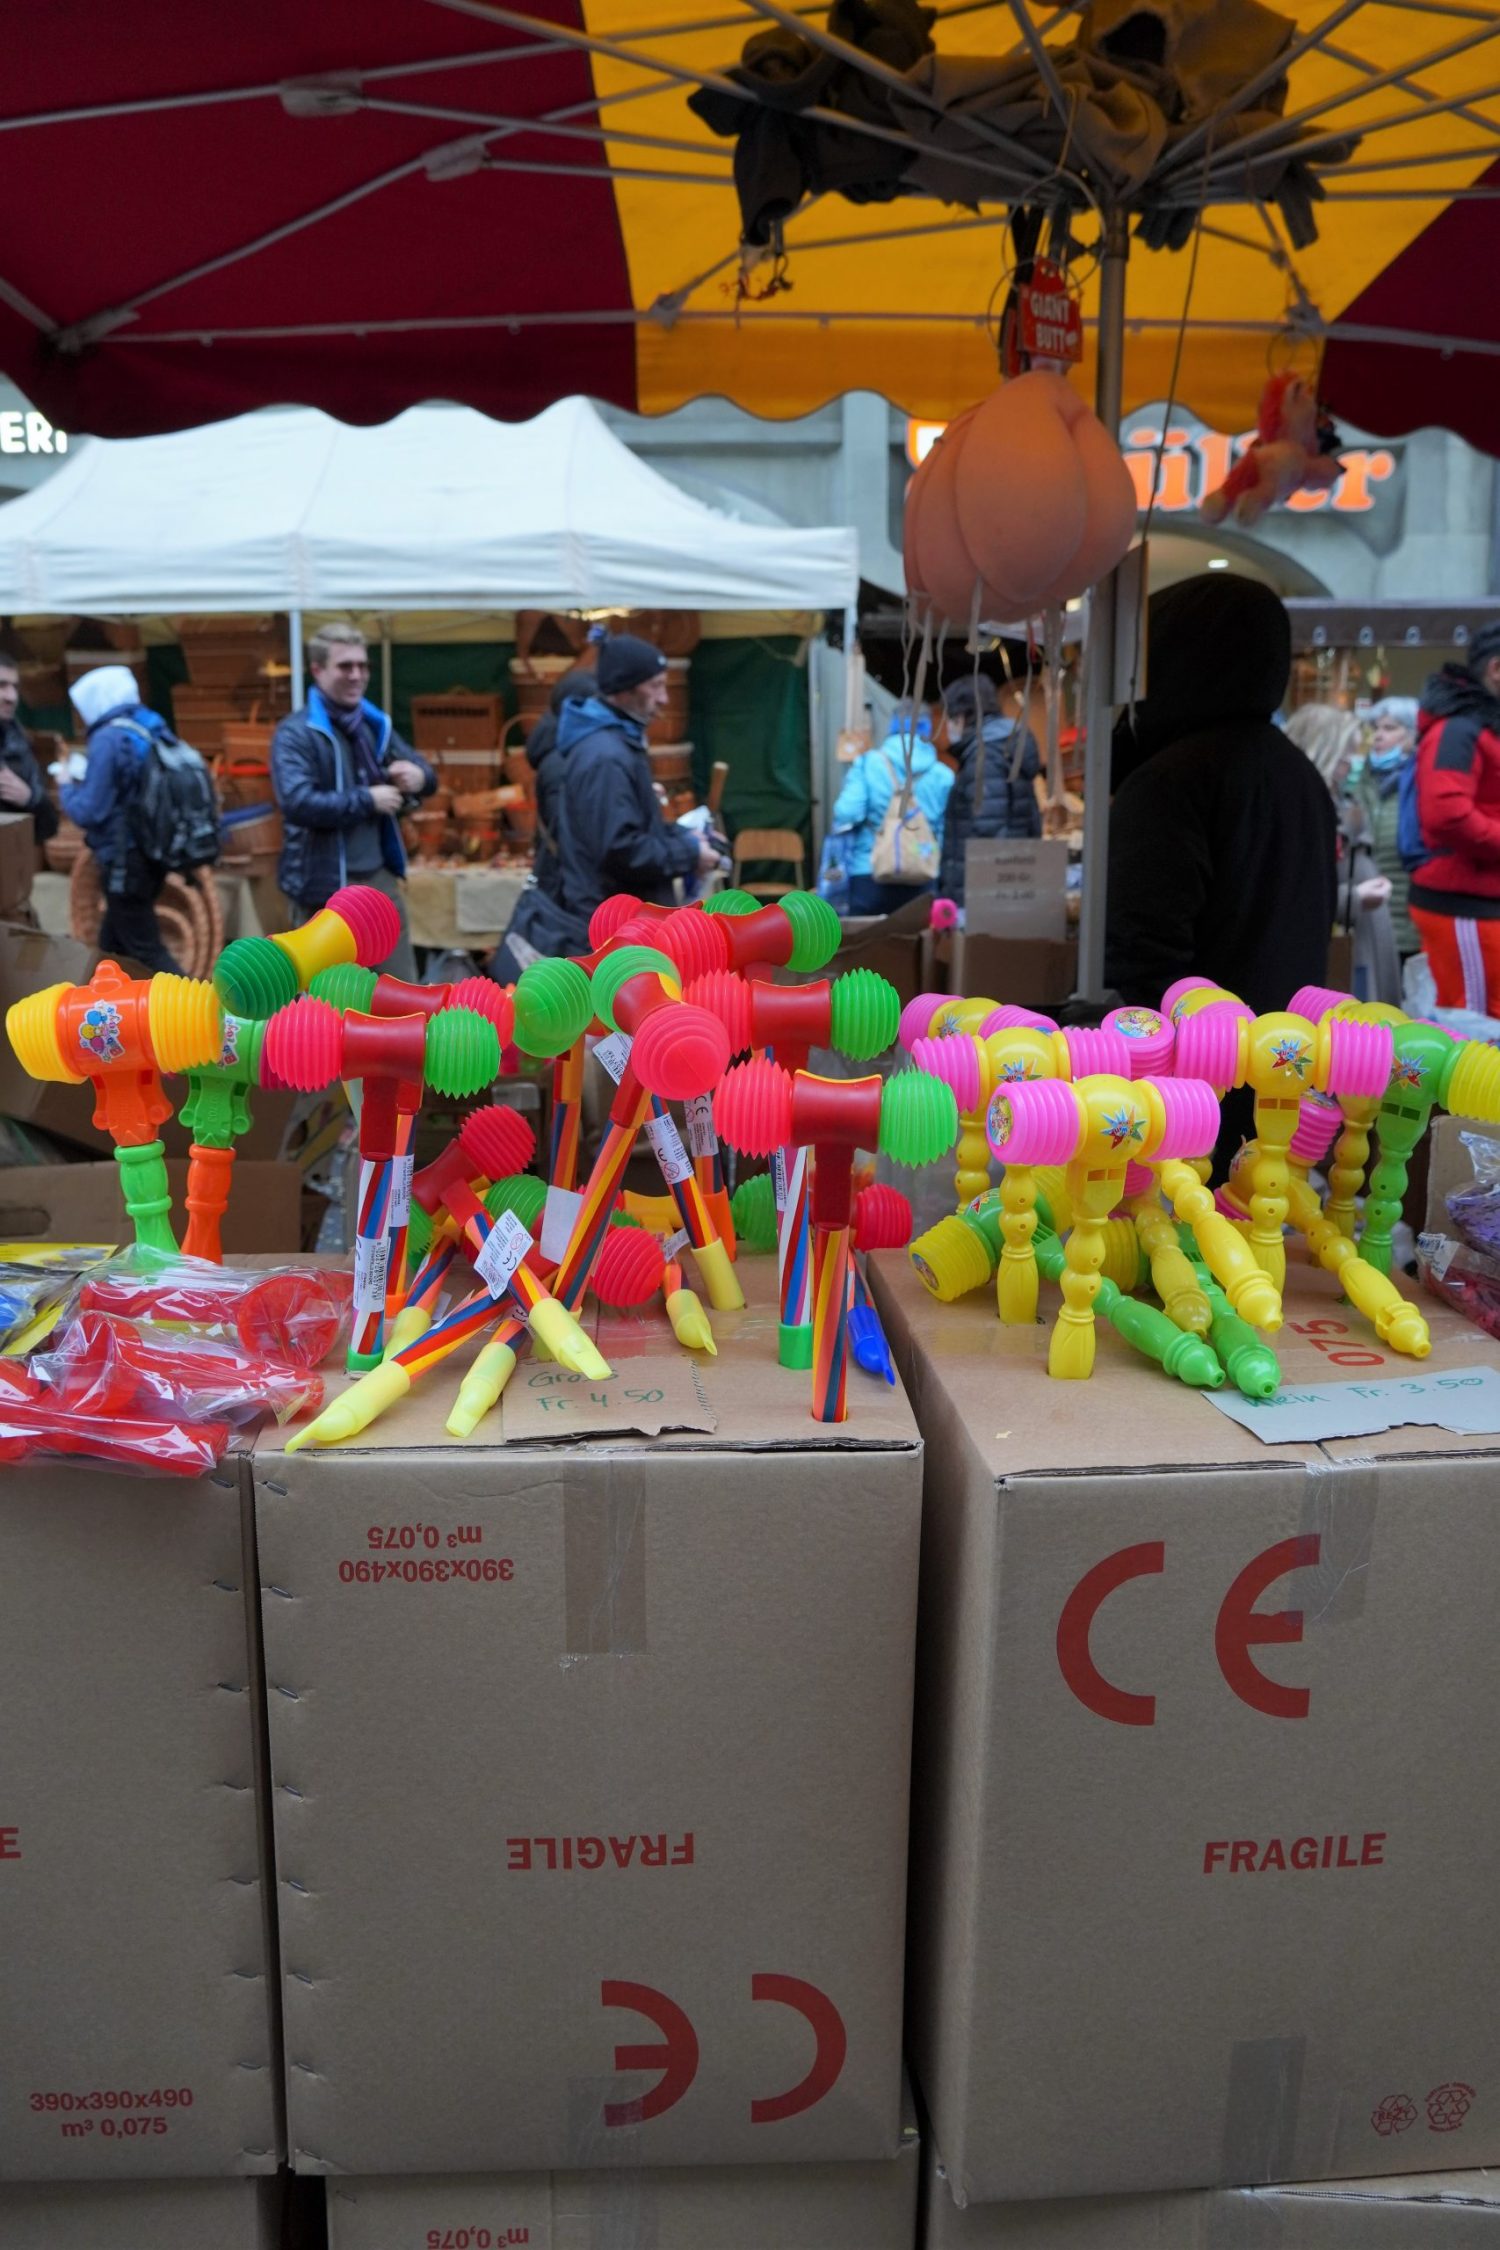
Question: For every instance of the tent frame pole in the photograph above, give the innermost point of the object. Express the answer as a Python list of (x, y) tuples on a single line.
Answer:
[(1109, 372), (294, 621)]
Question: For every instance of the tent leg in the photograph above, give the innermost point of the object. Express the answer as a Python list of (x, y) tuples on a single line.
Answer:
[(1100, 712), (298, 696), (385, 667)]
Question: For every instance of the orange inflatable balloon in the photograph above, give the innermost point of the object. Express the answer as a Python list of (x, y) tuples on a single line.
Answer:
[(947, 571), (1021, 500)]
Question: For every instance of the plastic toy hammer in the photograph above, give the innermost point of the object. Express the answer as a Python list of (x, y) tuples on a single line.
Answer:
[(216, 1112), (1097, 1128), (256, 976), (309, 1044), (912, 1118), (1282, 1057), (120, 1033)]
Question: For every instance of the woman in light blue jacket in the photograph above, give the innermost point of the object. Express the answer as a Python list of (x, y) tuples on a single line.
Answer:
[(872, 782)]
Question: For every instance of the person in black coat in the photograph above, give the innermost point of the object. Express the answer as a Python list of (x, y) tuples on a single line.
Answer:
[(998, 762), (611, 832), (1223, 838), (21, 786)]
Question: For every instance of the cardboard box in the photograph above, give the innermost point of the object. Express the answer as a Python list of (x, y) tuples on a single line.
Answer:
[(1422, 2211), (1029, 972), (17, 861), (560, 1814), (136, 2003), (896, 946), (746, 2207), (1131, 1968), (82, 1203), (142, 2215)]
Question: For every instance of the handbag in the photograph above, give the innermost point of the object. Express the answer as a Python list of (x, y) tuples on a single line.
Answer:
[(905, 849)]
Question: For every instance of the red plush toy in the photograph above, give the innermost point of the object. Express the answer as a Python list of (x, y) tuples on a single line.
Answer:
[(1295, 450)]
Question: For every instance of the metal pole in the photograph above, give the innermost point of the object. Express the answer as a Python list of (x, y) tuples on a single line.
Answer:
[(1099, 717), (385, 665), (298, 697)]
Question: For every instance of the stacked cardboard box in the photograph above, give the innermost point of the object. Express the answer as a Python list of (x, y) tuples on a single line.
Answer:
[(142, 2215), (136, 2004), (1204, 1831), (590, 1766)]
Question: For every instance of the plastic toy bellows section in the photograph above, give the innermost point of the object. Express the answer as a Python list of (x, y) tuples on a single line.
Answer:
[(120, 1033)]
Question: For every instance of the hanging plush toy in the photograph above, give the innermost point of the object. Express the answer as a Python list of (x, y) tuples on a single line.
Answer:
[(1295, 450)]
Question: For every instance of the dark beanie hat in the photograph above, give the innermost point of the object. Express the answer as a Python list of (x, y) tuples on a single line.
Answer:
[(1483, 644), (625, 663)]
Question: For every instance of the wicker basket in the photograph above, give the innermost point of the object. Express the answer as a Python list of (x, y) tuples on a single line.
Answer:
[(188, 914)]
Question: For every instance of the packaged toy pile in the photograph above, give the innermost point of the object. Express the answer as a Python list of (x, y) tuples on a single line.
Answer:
[(1081, 1190)]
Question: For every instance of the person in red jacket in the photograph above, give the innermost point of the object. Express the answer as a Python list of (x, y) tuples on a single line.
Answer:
[(1455, 891)]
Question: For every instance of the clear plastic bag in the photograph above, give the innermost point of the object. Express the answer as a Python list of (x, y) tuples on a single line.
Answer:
[(1463, 1277), (102, 1363), (30, 1427), (294, 1314), (1475, 1207)]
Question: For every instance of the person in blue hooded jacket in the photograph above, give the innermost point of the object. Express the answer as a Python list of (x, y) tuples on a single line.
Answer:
[(611, 832), (119, 730), (861, 805), (342, 777)]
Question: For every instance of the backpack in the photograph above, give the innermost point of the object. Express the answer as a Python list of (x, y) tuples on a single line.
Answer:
[(174, 815), (1410, 842), (905, 850)]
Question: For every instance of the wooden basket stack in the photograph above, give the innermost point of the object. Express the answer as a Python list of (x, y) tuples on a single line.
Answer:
[(239, 673), (484, 795)]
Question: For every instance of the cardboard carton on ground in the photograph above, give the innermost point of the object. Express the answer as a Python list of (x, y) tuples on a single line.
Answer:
[(1031, 972), (1206, 1822), (896, 946), (136, 2003), (590, 1768), (17, 861), (1423, 2211), (748, 2207), (82, 1203), (141, 2215)]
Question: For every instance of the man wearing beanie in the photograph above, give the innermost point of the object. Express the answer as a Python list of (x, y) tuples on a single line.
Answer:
[(611, 834), (1454, 900)]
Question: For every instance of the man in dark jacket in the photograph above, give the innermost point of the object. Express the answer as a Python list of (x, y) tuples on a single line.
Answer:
[(611, 832), (1223, 837), (1454, 898), (119, 730), (342, 776), (986, 745), (21, 786)]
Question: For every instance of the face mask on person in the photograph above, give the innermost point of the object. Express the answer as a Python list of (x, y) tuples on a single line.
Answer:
[(1385, 761)]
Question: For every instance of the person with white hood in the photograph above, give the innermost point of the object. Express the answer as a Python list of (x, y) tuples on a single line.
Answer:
[(98, 794)]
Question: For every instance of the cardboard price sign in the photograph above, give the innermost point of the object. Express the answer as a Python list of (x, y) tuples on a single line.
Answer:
[(1051, 316)]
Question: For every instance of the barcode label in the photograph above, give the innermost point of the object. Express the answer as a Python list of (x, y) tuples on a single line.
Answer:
[(614, 1053), (673, 1158), (401, 1171), (507, 1246), (371, 1260), (675, 1244), (559, 1217)]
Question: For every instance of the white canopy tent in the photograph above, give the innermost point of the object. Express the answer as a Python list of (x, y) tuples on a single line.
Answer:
[(440, 509)]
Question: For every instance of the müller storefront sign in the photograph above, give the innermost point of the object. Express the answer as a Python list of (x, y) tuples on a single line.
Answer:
[(1195, 460)]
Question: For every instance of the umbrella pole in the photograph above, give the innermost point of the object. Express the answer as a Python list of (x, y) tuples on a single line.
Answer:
[(1109, 370), (295, 637)]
